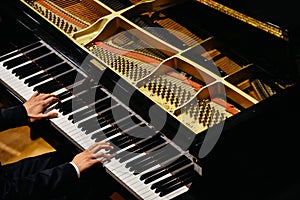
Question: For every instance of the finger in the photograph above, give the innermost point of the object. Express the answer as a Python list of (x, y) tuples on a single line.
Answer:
[(100, 155), (95, 161), (46, 115), (102, 160), (96, 148), (101, 142), (36, 93), (99, 146), (47, 96), (48, 101), (51, 115), (44, 96), (92, 147)]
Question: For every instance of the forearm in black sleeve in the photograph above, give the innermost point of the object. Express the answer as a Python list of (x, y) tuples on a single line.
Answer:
[(51, 182), (13, 117)]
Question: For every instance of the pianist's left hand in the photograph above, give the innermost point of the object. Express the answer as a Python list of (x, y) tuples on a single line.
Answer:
[(37, 104)]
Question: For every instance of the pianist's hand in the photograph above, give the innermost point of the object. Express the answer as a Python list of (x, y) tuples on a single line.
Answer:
[(37, 104), (93, 155)]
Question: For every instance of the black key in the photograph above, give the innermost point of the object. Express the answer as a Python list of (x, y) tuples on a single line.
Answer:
[(51, 73), (155, 157), (107, 115), (48, 61), (160, 183), (48, 87), (44, 76), (165, 183), (126, 143), (23, 49), (69, 78), (184, 179), (119, 139), (105, 135), (148, 161), (129, 151), (2, 58), (104, 104), (150, 174), (70, 105), (110, 116), (160, 173), (30, 55), (59, 69), (117, 113), (64, 95), (32, 68), (99, 93), (166, 154), (66, 105), (36, 79), (90, 94), (31, 46), (99, 136), (144, 146), (15, 62), (145, 165), (172, 186), (37, 52), (176, 164), (135, 162), (94, 124), (152, 140), (125, 124), (80, 115), (26, 70), (91, 122), (145, 133), (110, 131)]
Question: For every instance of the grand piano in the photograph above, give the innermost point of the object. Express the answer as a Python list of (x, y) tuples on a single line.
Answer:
[(199, 97)]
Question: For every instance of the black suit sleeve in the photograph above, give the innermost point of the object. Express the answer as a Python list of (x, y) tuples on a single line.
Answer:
[(56, 181), (47, 175), (13, 117)]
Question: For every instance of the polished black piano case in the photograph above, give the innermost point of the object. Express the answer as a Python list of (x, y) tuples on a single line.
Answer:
[(222, 76)]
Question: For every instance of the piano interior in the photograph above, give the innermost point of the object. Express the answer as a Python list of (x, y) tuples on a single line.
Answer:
[(199, 75)]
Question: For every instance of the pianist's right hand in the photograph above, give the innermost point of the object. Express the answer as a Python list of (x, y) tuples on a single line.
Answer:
[(91, 156)]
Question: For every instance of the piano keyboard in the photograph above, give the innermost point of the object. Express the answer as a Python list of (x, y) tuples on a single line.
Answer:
[(150, 166)]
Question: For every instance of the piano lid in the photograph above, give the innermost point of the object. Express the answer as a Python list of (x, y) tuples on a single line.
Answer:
[(283, 14), (265, 33)]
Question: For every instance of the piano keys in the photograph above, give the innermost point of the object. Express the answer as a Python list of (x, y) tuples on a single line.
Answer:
[(144, 160), (152, 80)]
